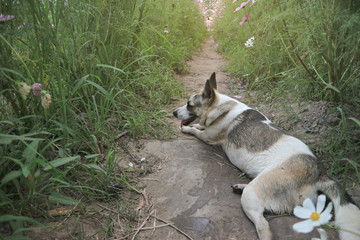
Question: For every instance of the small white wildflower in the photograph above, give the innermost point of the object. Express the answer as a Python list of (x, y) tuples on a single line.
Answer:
[(250, 42), (46, 100), (24, 89), (314, 216), (131, 164), (142, 159)]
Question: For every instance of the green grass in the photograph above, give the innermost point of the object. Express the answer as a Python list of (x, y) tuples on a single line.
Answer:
[(305, 50), (310, 47), (109, 68)]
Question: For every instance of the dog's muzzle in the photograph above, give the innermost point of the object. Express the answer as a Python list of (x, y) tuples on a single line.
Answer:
[(186, 121)]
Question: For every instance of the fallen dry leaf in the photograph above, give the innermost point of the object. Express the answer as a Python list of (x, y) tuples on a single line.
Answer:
[(59, 212), (141, 204)]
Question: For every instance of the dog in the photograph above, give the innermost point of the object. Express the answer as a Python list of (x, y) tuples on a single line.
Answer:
[(283, 169)]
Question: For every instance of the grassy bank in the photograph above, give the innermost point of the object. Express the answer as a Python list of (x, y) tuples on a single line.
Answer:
[(305, 50), (74, 76)]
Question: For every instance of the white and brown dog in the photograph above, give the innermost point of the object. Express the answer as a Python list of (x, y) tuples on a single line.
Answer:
[(284, 170)]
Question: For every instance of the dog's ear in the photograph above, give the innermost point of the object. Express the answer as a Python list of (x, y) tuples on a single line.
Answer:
[(208, 90), (213, 81), (210, 87)]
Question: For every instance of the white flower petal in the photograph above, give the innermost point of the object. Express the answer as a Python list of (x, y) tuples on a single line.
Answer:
[(326, 215), (304, 226), (328, 208), (308, 204), (316, 223), (302, 213), (324, 219), (323, 234), (321, 200)]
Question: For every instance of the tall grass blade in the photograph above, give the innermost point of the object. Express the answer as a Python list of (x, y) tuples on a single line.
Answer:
[(60, 162), (10, 176), (59, 198)]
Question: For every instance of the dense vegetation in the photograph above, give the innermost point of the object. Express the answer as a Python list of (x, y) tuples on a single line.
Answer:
[(310, 47), (300, 50), (75, 75)]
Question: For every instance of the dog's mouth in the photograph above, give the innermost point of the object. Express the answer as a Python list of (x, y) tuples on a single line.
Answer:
[(187, 121)]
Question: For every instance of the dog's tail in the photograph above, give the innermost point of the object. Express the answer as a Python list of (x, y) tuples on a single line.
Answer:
[(347, 213)]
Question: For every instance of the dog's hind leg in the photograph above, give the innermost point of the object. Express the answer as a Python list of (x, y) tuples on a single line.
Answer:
[(254, 209)]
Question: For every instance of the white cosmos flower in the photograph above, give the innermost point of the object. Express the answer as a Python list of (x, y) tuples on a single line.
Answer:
[(314, 216), (250, 42), (323, 234)]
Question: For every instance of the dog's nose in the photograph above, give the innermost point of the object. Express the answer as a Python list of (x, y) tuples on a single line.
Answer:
[(175, 113)]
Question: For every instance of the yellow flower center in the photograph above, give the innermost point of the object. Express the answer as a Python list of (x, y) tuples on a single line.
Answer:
[(315, 216)]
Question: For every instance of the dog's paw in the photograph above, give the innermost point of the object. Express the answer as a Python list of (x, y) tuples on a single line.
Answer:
[(186, 129), (238, 188)]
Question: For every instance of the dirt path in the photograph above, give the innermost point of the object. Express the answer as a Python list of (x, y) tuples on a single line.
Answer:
[(191, 184)]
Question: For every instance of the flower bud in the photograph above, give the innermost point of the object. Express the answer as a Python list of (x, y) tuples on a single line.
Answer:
[(36, 87)]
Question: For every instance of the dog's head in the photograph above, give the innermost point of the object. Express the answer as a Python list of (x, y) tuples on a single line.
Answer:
[(198, 104)]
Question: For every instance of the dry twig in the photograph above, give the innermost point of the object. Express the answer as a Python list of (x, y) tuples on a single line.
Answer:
[(153, 227), (175, 227), (141, 204), (143, 192), (150, 179), (106, 208), (137, 231)]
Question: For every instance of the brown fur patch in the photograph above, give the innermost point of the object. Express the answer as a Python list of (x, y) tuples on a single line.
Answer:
[(289, 183), (248, 130)]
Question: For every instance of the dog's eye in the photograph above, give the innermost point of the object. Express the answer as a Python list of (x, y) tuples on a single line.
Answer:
[(189, 105)]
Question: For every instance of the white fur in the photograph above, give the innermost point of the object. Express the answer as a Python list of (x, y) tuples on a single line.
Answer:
[(183, 113), (255, 163), (347, 218)]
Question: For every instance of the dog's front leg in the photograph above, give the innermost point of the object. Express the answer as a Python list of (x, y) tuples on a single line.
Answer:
[(198, 133), (198, 126)]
